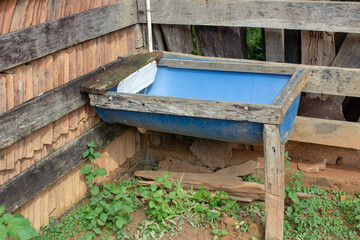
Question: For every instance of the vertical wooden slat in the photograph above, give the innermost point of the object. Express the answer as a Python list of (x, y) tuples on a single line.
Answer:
[(29, 92), (41, 75), (68, 7), (9, 11), (274, 45), (2, 159), (2, 13), (18, 16), (318, 48), (178, 38), (3, 93), (35, 78), (10, 163), (274, 183), (29, 14), (10, 103), (46, 211), (36, 14)]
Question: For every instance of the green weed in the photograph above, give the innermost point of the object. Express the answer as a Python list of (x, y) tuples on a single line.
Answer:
[(15, 226)]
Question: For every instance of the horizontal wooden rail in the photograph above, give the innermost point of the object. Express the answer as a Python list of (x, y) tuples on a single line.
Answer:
[(47, 171), (327, 80), (326, 132), (47, 108), (189, 107), (285, 14), (34, 42)]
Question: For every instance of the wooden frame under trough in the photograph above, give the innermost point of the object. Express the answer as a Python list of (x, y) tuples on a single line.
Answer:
[(270, 115)]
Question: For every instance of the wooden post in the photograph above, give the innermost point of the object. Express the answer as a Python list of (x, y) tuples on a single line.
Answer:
[(274, 183)]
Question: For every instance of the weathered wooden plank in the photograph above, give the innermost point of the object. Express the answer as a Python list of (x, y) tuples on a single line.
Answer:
[(42, 174), (284, 14), (107, 81), (274, 183), (293, 92), (274, 45), (349, 54), (326, 132), (40, 40), (318, 48), (327, 80), (44, 109), (189, 107), (228, 42), (177, 38), (226, 65)]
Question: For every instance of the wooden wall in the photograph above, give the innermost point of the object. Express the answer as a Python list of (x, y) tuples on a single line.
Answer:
[(29, 80)]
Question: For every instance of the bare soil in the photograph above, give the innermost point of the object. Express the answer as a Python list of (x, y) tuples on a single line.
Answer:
[(188, 232)]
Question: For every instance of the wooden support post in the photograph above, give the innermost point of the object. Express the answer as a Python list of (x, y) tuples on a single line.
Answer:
[(274, 183)]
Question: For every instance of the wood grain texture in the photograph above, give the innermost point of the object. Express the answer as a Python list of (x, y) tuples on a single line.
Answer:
[(227, 42), (306, 15), (274, 45), (326, 132), (224, 110), (110, 78), (226, 65), (274, 183), (34, 42), (349, 53), (177, 38), (45, 109), (42, 174), (328, 80), (318, 48)]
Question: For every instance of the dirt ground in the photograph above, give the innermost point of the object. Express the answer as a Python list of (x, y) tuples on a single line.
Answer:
[(341, 172), (188, 232)]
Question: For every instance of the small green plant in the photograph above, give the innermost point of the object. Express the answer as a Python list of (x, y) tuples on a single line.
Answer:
[(254, 43), (219, 233), (15, 226), (91, 171), (295, 186)]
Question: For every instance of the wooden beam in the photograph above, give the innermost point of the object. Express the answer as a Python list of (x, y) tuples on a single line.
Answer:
[(189, 107), (226, 65), (326, 132), (34, 42), (109, 80), (274, 183), (43, 110), (327, 80), (48, 170), (283, 14)]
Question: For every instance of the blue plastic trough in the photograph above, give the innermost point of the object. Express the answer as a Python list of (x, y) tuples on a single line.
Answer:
[(209, 86)]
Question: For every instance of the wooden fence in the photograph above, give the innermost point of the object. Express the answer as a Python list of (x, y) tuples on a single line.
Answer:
[(48, 48), (294, 32)]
